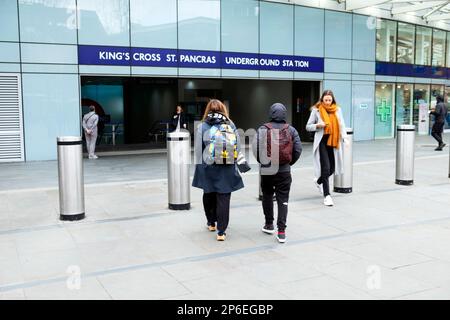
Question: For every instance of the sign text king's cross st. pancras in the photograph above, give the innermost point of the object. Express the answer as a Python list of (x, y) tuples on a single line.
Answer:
[(154, 57)]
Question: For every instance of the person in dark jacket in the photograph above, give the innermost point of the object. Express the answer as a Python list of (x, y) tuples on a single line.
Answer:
[(440, 113), (218, 181), (178, 120), (276, 178)]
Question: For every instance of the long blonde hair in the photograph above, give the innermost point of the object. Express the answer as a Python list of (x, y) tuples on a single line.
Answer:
[(215, 105)]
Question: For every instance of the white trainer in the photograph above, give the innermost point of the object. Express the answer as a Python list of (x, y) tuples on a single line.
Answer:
[(319, 186), (328, 201)]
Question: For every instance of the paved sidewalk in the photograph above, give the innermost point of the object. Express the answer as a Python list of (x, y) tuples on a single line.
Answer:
[(383, 241)]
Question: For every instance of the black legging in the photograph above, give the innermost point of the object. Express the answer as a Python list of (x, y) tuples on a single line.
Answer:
[(326, 154)]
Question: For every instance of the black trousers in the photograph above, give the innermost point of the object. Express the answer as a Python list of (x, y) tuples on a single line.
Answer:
[(436, 131), (280, 184), (327, 166), (217, 209)]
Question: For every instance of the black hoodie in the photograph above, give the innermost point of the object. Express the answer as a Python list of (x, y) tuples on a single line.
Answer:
[(277, 116)]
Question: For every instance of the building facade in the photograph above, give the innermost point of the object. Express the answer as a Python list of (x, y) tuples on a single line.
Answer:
[(137, 59)]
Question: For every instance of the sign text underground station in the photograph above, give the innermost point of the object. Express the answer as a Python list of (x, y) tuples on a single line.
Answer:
[(124, 56)]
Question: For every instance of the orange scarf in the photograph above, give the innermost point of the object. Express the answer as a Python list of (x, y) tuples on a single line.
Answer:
[(328, 114)]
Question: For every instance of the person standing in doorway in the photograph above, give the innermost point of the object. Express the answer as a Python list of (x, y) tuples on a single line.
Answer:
[(276, 166), (440, 114), (216, 172), (178, 121), (327, 121), (90, 126)]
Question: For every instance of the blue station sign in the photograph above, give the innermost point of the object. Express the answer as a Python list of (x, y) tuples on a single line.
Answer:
[(155, 57)]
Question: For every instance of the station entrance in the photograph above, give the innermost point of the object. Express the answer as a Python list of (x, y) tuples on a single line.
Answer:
[(135, 112)]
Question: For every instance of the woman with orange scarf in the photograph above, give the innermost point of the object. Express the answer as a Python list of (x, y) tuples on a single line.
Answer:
[(327, 121)]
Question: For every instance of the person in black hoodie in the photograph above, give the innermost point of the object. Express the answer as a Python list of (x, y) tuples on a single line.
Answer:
[(276, 166), (218, 180), (440, 113)]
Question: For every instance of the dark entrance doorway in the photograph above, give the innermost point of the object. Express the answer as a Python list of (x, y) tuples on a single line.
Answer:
[(304, 95)]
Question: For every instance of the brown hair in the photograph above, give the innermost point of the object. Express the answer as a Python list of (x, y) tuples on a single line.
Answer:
[(179, 106), (215, 105), (325, 93)]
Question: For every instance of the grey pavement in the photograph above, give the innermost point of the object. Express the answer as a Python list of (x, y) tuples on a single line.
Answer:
[(383, 241)]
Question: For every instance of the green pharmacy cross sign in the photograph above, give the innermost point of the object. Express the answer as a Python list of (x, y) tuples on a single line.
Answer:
[(384, 110)]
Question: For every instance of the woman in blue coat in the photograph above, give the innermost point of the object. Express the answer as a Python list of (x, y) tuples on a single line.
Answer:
[(217, 178)]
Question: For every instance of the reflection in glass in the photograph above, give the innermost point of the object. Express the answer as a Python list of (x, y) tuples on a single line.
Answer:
[(403, 104), (104, 22), (153, 23), (386, 40), (199, 24), (384, 106), (421, 101), (423, 45), (448, 49), (405, 43), (439, 48)]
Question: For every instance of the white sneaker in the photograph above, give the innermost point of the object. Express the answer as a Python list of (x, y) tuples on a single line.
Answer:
[(328, 201), (94, 157), (319, 186)]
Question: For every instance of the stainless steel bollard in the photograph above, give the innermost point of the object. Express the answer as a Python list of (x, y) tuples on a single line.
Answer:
[(344, 182), (178, 159), (404, 168), (260, 194), (71, 180)]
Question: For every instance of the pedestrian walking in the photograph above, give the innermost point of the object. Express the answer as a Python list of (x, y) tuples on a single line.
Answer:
[(327, 121)]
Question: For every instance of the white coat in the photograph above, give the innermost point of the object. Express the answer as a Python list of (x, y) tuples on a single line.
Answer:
[(315, 118)]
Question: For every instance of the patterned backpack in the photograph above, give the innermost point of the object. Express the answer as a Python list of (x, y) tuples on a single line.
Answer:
[(222, 144)]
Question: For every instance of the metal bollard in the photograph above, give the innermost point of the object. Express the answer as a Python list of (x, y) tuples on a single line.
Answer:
[(344, 182), (449, 161), (404, 168), (178, 159), (70, 176)]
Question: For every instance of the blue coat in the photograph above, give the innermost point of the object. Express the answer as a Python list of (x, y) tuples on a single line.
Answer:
[(221, 178)]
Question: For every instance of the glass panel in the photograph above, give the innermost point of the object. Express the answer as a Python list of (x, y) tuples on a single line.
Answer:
[(384, 101), (405, 43), (403, 104), (338, 35), (240, 21), (423, 45), (8, 21), (309, 28), (386, 40), (199, 24), (48, 21), (277, 28), (448, 49), (51, 108), (439, 48), (104, 22), (421, 107), (436, 89), (447, 100), (153, 23)]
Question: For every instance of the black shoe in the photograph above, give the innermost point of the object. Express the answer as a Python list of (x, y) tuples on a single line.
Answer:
[(268, 228), (281, 236), (438, 149), (442, 145)]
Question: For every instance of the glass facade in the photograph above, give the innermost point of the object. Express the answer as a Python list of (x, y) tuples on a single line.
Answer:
[(421, 107), (384, 106), (439, 46), (405, 43), (386, 40), (423, 45), (403, 104)]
